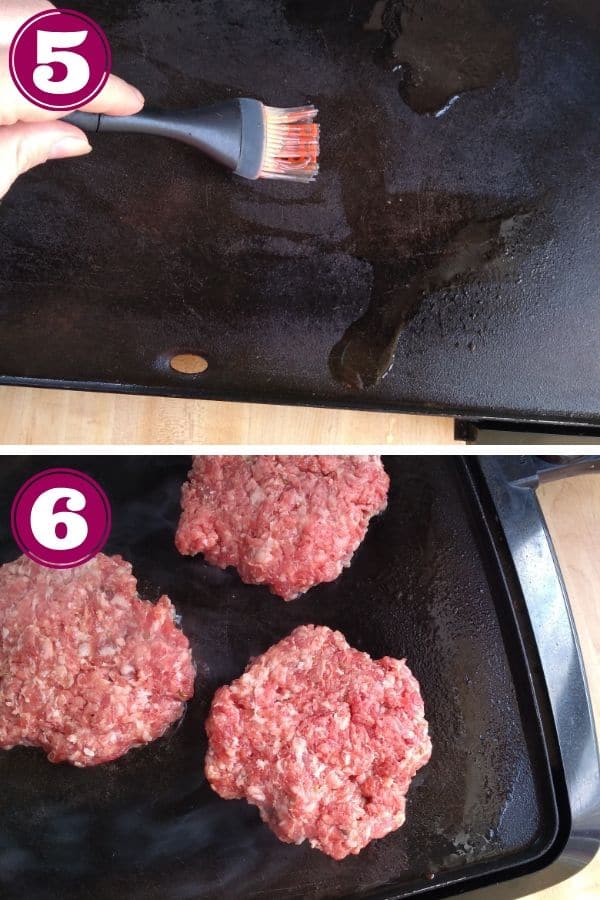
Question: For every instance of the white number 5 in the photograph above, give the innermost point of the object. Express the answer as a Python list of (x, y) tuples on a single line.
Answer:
[(44, 520), (51, 48)]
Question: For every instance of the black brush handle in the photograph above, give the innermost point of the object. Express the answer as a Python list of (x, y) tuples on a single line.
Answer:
[(215, 130)]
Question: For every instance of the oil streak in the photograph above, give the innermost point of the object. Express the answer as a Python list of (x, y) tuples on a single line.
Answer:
[(366, 352), (442, 48)]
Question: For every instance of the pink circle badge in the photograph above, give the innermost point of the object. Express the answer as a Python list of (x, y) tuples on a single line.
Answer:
[(61, 518), (60, 59)]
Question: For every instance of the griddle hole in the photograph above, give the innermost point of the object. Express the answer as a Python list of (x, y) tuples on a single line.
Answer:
[(189, 364)]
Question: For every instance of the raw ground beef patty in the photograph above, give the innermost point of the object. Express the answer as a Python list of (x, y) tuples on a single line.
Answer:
[(87, 669), (286, 521), (322, 739)]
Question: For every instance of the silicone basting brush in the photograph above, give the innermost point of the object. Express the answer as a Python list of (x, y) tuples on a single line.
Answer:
[(248, 138)]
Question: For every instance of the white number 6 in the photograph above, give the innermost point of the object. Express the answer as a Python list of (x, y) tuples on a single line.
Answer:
[(44, 520), (51, 49)]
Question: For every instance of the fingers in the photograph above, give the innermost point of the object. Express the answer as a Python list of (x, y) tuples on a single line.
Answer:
[(117, 98), (29, 135), (13, 106), (24, 146), (14, 13)]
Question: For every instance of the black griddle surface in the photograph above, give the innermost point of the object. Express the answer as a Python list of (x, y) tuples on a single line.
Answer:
[(423, 585), (471, 238)]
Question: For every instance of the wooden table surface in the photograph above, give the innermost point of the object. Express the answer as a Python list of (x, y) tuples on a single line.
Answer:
[(36, 416), (572, 510)]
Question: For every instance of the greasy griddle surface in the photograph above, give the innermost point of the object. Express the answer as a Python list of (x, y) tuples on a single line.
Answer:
[(148, 826), (145, 249)]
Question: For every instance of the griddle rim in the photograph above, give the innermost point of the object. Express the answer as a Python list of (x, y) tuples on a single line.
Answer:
[(511, 483)]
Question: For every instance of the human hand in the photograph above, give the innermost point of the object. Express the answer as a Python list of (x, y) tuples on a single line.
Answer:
[(30, 135)]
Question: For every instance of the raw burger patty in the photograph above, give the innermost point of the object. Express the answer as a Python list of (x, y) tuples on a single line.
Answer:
[(323, 739), (286, 521), (87, 669)]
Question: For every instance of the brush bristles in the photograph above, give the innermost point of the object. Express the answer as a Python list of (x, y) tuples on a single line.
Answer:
[(291, 144)]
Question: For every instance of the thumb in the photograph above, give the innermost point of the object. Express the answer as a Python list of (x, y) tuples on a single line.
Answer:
[(24, 146)]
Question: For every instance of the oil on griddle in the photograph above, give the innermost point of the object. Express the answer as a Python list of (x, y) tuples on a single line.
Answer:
[(417, 243)]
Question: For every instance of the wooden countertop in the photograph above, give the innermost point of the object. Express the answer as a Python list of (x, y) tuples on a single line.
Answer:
[(36, 416), (572, 510)]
